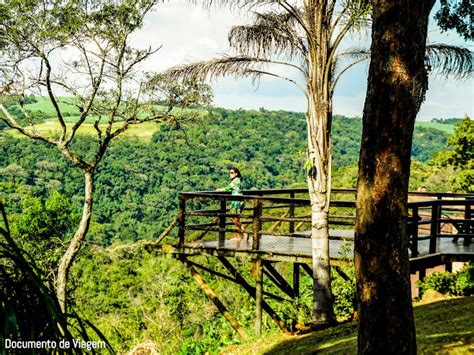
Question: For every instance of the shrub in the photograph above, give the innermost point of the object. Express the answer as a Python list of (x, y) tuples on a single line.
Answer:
[(460, 283), (465, 280), (443, 282), (344, 292)]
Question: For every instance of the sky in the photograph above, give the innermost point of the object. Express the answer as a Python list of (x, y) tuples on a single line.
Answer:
[(188, 33)]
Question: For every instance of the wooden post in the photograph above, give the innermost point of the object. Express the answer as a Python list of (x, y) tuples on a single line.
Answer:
[(181, 219), (439, 207), (292, 214), (213, 297), (434, 227), (414, 234), (296, 290), (296, 280), (468, 222), (222, 222), (257, 224), (258, 297)]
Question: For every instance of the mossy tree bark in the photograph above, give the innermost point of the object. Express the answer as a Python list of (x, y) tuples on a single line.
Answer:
[(396, 87)]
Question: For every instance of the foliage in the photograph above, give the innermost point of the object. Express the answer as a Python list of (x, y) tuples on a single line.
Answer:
[(42, 228), (448, 121), (136, 297), (443, 282), (30, 310), (465, 280), (460, 283), (459, 157), (344, 291), (457, 15)]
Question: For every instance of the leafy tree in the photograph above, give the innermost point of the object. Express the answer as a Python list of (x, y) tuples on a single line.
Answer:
[(396, 88), (460, 157), (42, 229), (100, 74), (457, 15)]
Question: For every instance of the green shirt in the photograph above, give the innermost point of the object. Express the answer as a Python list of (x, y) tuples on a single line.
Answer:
[(235, 187)]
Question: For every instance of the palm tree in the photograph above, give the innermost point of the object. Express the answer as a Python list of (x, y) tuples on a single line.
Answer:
[(306, 40)]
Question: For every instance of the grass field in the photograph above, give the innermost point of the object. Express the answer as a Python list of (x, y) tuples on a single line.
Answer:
[(44, 105), (142, 131), (442, 327), (448, 128), (51, 127)]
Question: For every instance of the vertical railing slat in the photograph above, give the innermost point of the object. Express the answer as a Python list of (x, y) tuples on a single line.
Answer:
[(182, 219)]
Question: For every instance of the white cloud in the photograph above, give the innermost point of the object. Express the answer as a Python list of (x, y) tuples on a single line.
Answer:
[(189, 33)]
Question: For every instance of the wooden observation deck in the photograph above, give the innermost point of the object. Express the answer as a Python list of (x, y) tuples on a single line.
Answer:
[(278, 223)]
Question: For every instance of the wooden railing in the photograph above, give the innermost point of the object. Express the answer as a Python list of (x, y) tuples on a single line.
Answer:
[(286, 213)]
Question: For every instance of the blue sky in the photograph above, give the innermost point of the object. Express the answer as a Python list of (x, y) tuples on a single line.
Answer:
[(188, 33)]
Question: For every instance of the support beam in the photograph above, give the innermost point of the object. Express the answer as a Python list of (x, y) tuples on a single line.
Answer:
[(229, 278), (222, 224), (213, 297), (341, 273), (280, 281), (258, 296), (252, 292), (182, 219), (308, 270)]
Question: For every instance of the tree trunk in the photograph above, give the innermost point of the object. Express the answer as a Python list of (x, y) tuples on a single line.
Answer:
[(396, 87), (76, 242), (319, 192)]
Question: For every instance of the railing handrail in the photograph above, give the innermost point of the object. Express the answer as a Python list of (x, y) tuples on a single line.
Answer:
[(306, 202), (266, 199), (339, 191)]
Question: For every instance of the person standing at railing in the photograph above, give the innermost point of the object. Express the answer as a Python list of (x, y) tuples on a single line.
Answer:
[(236, 207)]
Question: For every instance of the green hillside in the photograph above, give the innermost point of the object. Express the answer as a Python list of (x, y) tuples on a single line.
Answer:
[(429, 137), (444, 127)]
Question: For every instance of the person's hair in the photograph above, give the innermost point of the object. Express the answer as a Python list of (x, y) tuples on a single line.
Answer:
[(237, 171)]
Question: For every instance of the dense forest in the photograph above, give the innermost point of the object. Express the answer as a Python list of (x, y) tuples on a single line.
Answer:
[(138, 184), (136, 297)]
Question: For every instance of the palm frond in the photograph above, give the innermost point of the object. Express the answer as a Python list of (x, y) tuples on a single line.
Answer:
[(233, 4), (356, 14), (271, 33), (353, 54), (449, 60), (238, 66), (346, 60)]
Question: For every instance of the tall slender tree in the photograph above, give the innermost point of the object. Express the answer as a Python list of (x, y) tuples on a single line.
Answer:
[(397, 83), (81, 49)]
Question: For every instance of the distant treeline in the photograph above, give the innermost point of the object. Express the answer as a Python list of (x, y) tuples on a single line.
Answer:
[(451, 121)]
